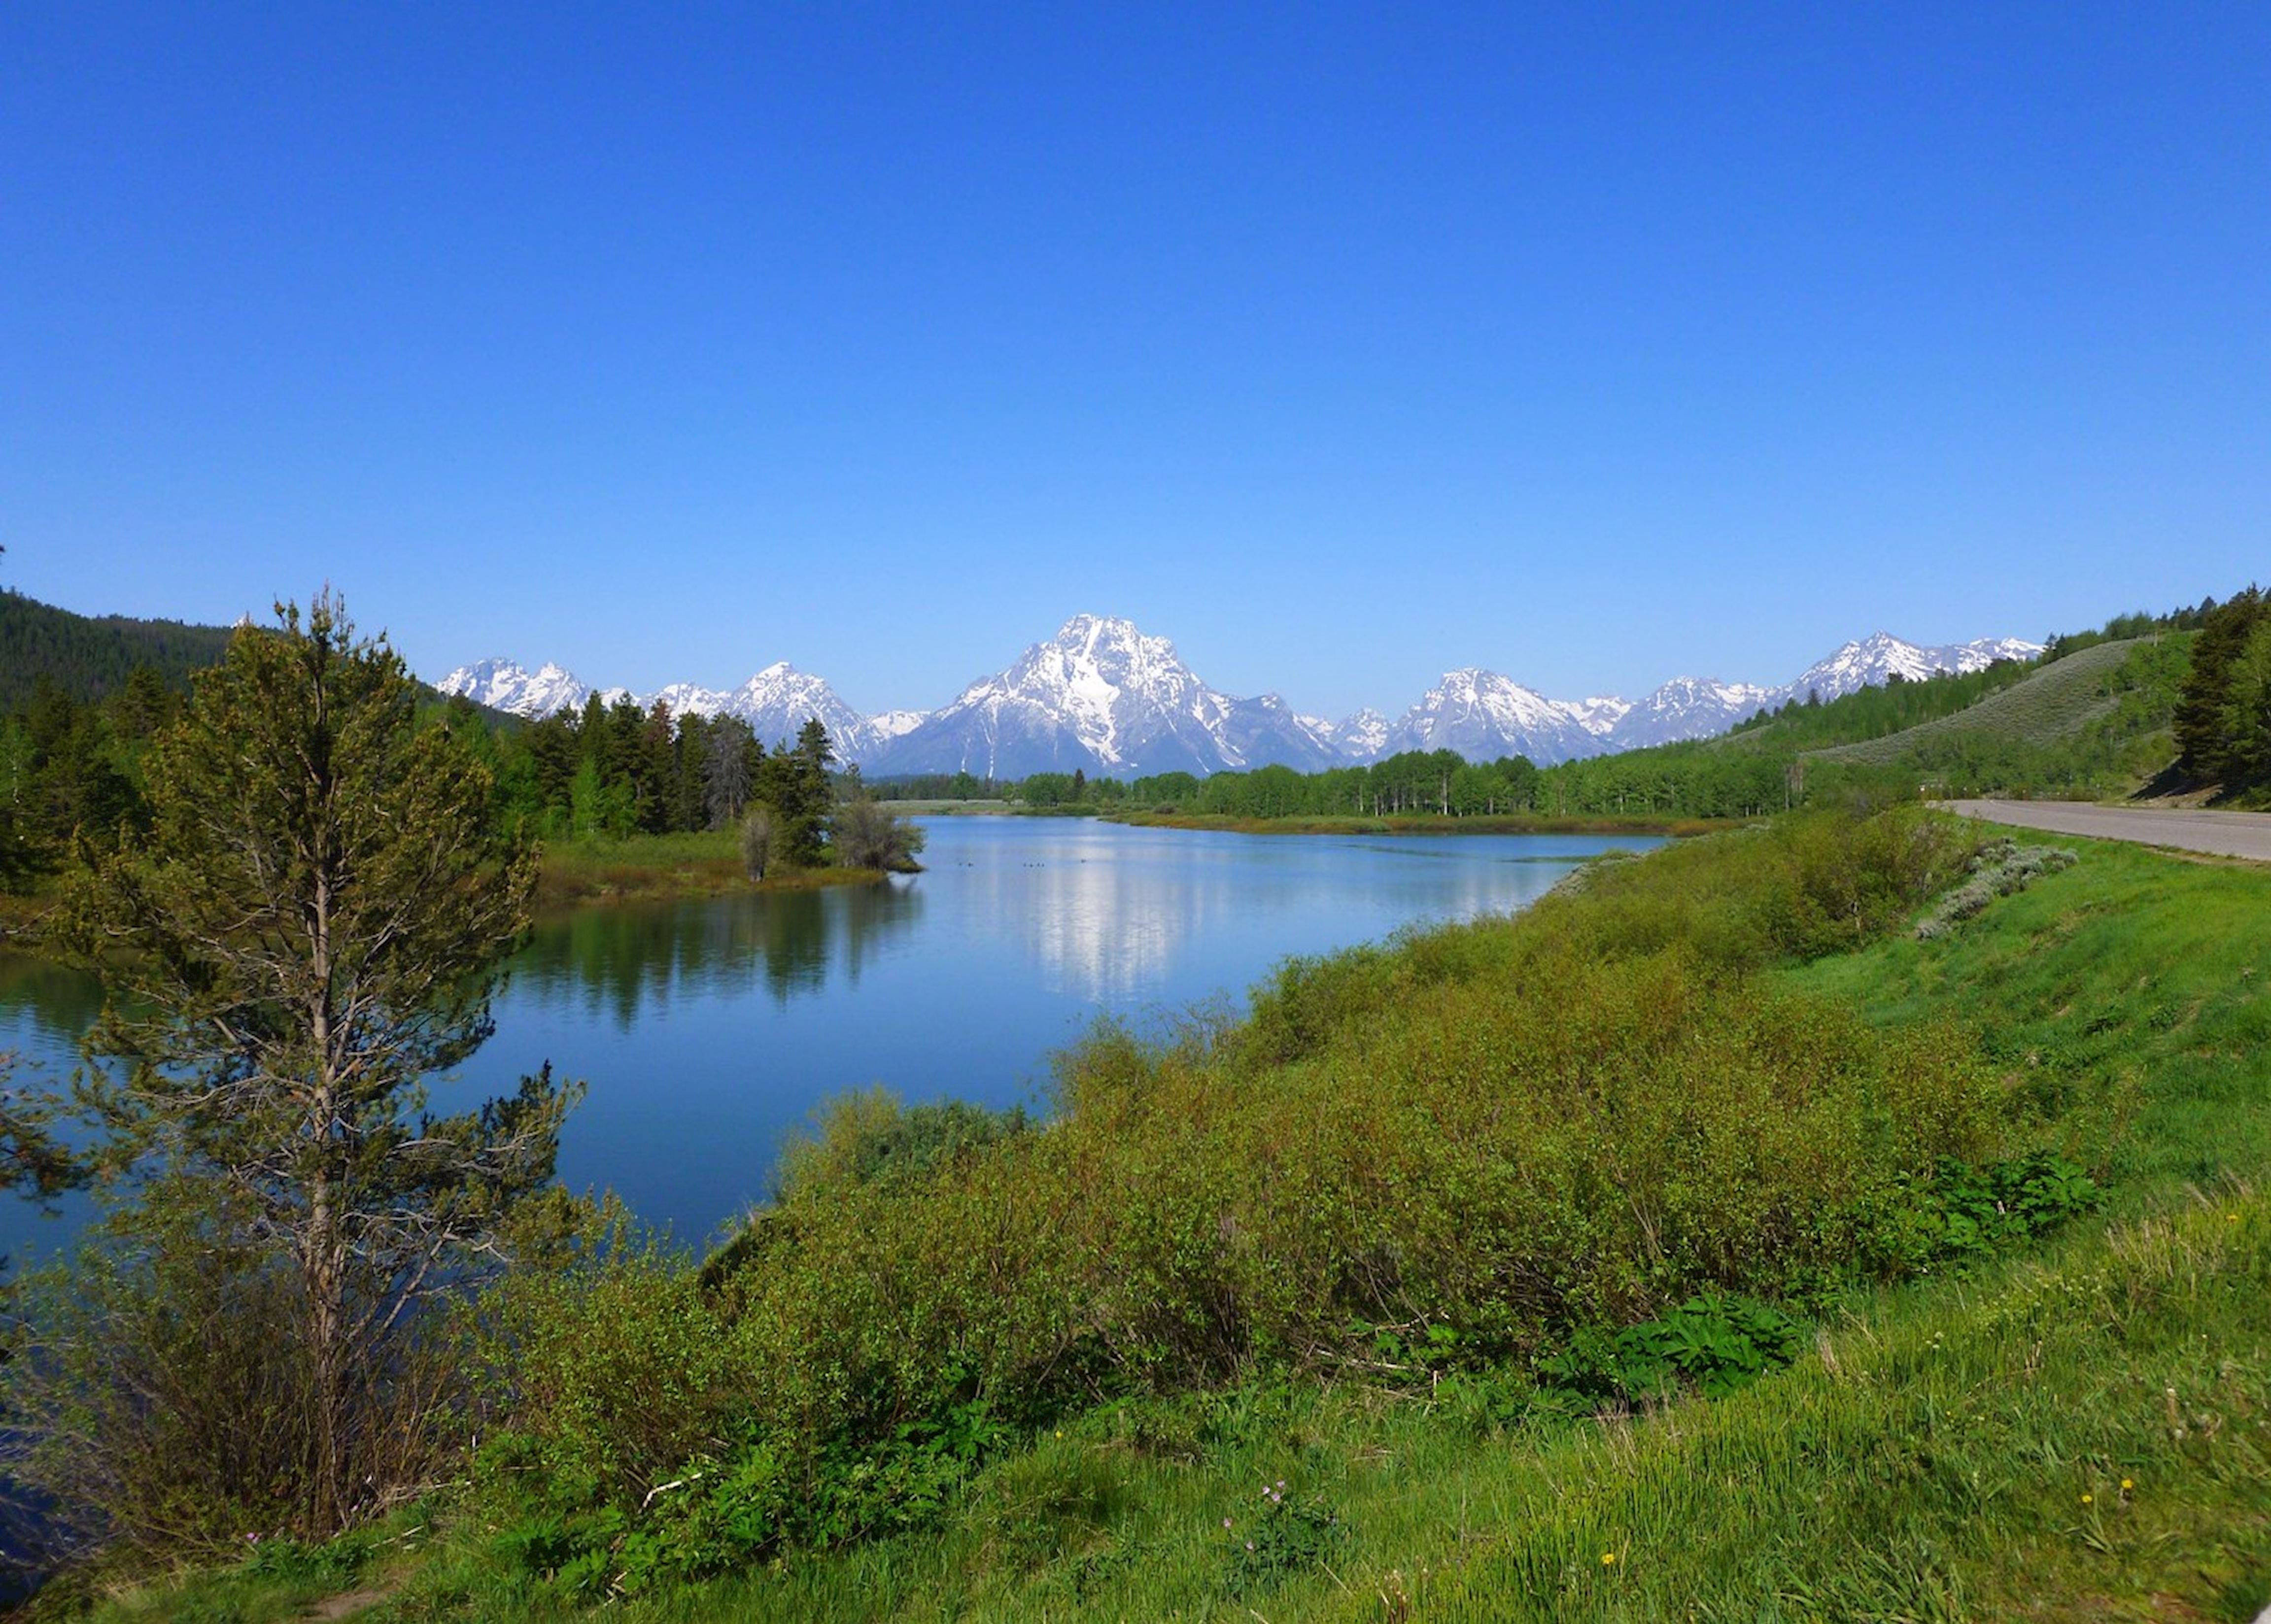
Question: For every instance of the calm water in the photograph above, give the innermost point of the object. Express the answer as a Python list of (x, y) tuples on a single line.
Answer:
[(705, 1030)]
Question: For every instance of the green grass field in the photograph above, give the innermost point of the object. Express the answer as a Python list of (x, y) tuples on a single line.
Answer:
[(2081, 1430)]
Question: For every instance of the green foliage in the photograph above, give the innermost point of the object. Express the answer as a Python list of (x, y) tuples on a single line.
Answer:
[(865, 1136), (2223, 721), (1925, 1455), (794, 785), (313, 924), (1984, 1211), (865, 834), (1279, 1539), (1714, 1343), (1519, 1129)]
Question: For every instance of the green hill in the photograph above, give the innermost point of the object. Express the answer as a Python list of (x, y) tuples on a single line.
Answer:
[(2097, 722), (90, 657), (2053, 704)]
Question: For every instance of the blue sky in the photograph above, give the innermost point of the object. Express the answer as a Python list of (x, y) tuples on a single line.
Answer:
[(1341, 344)]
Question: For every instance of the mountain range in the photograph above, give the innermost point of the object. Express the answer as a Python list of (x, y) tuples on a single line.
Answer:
[(1104, 697)]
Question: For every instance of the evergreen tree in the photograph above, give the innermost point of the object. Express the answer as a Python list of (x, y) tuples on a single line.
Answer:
[(313, 926), (793, 784)]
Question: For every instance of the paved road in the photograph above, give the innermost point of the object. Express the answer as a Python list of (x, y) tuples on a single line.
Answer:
[(2228, 833)]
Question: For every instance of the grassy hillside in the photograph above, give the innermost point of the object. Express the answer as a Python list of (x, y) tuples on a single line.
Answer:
[(2102, 714), (2078, 1428)]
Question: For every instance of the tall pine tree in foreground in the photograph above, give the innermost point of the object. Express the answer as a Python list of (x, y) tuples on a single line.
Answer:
[(314, 927)]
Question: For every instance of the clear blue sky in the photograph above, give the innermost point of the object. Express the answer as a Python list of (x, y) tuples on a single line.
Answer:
[(1340, 344)]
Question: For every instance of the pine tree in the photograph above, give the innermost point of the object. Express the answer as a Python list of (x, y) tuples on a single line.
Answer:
[(313, 926)]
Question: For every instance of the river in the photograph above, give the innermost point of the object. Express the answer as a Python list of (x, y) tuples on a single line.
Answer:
[(706, 1030)]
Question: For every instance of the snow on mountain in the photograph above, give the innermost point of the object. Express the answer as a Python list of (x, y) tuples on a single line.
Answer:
[(1686, 707), (503, 686), (1880, 657), (776, 703), (686, 699), (1266, 731), (1103, 697), (1600, 714), (1483, 715), (1981, 652), (1357, 738), (779, 699), (891, 723)]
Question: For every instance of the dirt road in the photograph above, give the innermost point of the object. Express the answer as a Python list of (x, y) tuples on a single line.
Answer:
[(2228, 834)]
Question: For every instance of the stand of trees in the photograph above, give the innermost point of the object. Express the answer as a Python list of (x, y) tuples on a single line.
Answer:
[(2223, 716)]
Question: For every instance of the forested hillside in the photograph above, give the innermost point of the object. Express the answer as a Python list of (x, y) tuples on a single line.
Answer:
[(90, 658)]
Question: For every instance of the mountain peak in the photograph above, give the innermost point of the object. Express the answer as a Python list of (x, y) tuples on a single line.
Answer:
[(1104, 695)]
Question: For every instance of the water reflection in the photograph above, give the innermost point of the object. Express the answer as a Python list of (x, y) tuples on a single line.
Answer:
[(624, 963), (47, 1007), (707, 1029)]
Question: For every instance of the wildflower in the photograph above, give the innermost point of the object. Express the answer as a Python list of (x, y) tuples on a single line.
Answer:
[(1060, 1432), (2085, 1500), (1608, 1558), (1225, 1522), (2126, 1486)]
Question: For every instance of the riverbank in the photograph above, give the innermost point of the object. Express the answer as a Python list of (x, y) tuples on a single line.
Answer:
[(653, 868), (1426, 823), (1109, 1369)]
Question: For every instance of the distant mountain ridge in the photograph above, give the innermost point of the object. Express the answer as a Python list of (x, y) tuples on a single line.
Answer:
[(1104, 697)]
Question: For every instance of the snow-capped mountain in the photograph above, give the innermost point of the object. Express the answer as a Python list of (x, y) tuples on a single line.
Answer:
[(1880, 657), (1601, 714), (1483, 715), (1103, 697), (891, 723), (780, 699), (1353, 739), (776, 703), (1686, 707), (503, 686)]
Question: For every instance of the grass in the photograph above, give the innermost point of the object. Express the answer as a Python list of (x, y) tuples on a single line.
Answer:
[(2082, 1432), (653, 867)]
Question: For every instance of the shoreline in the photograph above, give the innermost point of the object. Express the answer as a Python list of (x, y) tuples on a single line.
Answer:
[(1423, 824), (583, 877)]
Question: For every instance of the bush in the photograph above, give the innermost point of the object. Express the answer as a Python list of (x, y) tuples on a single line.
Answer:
[(865, 834), (1998, 869), (158, 1392)]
